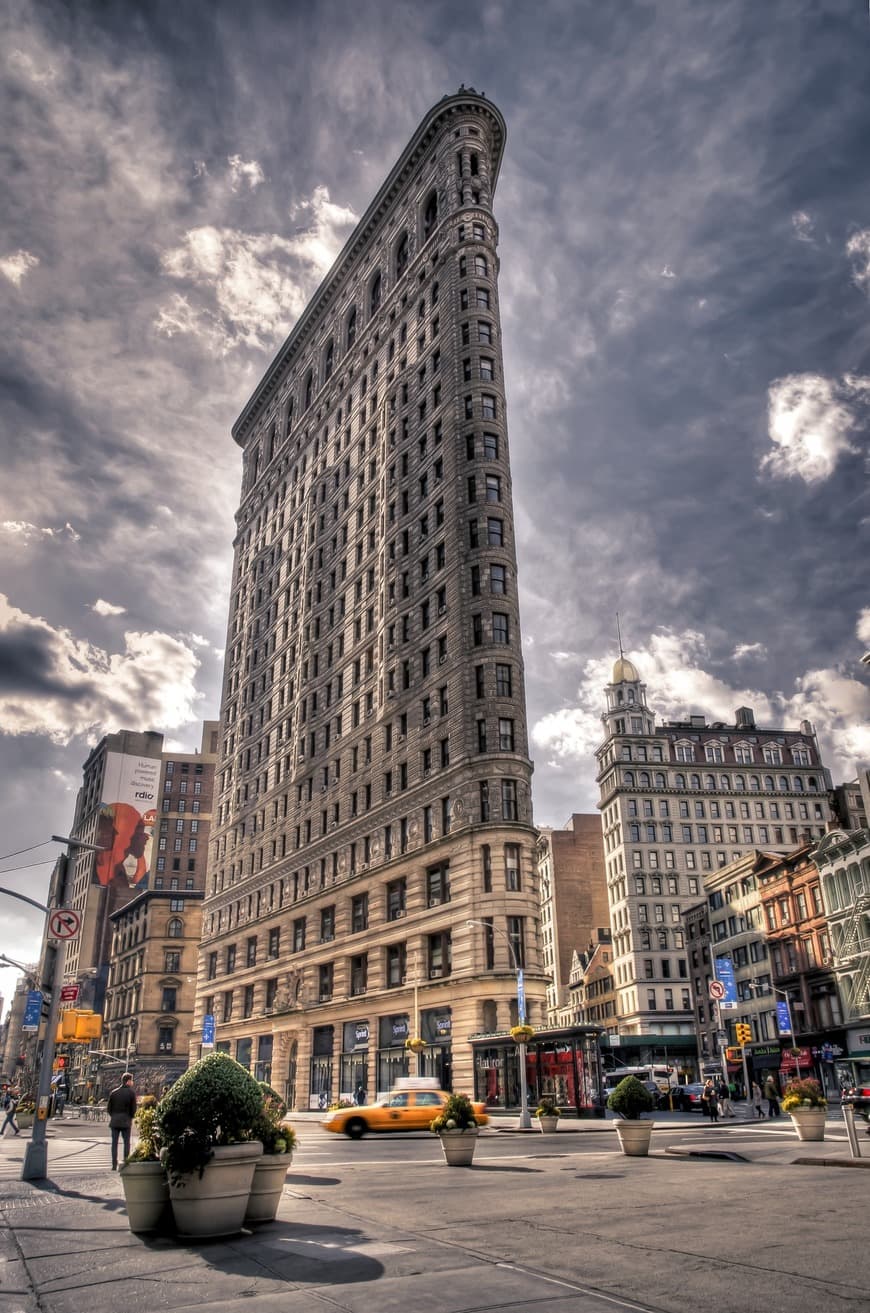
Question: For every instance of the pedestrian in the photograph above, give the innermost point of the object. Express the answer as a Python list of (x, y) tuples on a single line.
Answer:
[(10, 1103), (756, 1099), (771, 1093), (723, 1094), (709, 1100), (360, 1095), (121, 1108)]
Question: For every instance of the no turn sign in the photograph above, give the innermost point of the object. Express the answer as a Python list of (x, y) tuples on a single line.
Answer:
[(717, 989), (64, 923)]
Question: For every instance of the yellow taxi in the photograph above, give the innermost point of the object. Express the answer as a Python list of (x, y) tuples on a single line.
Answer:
[(411, 1106)]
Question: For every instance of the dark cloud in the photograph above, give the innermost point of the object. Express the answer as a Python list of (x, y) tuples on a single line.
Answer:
[(27, 666), (679, 188)]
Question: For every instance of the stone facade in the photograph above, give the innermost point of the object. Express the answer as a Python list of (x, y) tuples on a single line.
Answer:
[(679, 801), (374, 781)]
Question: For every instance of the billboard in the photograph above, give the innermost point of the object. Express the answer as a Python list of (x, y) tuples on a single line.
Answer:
[(128, 816)]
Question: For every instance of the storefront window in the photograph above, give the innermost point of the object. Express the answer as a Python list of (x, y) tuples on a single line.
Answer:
[(320, 1089)]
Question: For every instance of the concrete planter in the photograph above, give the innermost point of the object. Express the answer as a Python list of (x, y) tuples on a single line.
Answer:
[(549, 1125), (809, 1122), (270, 1173), (25, 1120), (634, 1137), (458, 1146), (146, 1191), (214, 1204)]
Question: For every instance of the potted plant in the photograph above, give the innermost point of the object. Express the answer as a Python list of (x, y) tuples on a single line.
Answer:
[(143, 1177), (807, 1106), (207, 1122), (278, 1140), (456, 1128), (630, 1100), (415, 1044), (522, 1033), (548, 1114), (25, 1113)]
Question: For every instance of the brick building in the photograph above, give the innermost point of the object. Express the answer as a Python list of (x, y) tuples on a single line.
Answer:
[(574, 911)]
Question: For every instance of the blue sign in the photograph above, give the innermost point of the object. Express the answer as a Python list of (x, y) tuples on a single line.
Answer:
[(32, 1011), (783, 1017), (521, 998), (725, 976), (208, 1030)]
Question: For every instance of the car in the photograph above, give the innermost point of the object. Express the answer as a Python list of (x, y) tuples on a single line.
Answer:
[(688, 1097), (411, 1106)]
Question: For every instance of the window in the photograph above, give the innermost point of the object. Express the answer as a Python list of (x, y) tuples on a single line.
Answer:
[(487, 406), (172, 961), (324, 982), (509, 800), (503, 681), (211, 970), (439, 954), (327, 924), (500, 627), (251, 952), (248, 1001), (516, 936), (401, 255), (274, 941), (505, 735), (494, 531), (359, 969), (175, 929), (359, 913), (169, 998), (493, 488), (490, 446), (350, 330), (512, 867), (438, 884), (396, 958), (396, 892), (375, 294), (299, 934), (430, 215)]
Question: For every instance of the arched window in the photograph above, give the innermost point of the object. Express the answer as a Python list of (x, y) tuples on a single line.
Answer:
[(375, 294), (289, 425), (175, 928), (769, 782), (430, 215), (328, 360), (709, 781), (402, 253), (739, 782), (628, 778), (694, 781), (660, 780), (350, 331), (783, 783), (798, 784), (309, 388), (680, 781), (724, 782), (754, 783)]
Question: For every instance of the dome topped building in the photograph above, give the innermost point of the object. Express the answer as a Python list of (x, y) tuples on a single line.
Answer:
[(624, 671)]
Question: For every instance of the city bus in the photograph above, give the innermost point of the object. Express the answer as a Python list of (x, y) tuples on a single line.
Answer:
[(658, 1074)]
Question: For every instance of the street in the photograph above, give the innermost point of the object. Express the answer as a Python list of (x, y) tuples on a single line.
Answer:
[(563, 1223)]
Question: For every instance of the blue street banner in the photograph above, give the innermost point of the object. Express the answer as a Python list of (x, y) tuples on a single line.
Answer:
[(208, 1031), (521, 998), (725, 976), (32, 1011), (783, 1018)]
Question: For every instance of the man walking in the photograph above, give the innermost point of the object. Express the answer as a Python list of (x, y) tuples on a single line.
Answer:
[(121, 1108), (10, 1104)]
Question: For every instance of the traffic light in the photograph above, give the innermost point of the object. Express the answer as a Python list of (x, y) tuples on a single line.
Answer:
[(743, 1032), (78, 1027)]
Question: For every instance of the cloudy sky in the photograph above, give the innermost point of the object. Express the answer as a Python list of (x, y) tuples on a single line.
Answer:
[(685, 290)]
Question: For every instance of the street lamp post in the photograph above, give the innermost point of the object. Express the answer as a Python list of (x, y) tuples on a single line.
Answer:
[(35, 1163), (525, 1116)]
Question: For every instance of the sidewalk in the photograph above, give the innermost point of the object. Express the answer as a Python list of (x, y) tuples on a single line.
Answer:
[(527, 1231)]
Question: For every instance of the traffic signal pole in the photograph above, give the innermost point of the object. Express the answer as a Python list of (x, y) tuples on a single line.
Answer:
[(35, 1167)]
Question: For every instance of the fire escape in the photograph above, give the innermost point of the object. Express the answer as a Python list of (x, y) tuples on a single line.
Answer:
[(853, 960)]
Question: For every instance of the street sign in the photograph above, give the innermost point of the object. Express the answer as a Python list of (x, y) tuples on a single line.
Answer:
[(783, 1018), (521, 998), (208, 1031), (724, 969), (32, 1011), (69, 994), (64, 923), (717, 989)]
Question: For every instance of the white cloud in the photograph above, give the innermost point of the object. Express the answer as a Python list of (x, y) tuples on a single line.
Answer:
[(809, 420), (261, 282), (107, 609), (26, 532), (673, 668), (803, 226), (244, 171), (667, 272), (62, 686), (744, 650), (858, 249), (863, 627), (16, 265)]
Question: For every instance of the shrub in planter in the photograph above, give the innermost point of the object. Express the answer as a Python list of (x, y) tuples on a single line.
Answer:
[(146, 1189), (631, 1099), (548, 1114), (278, 1140), (215, 1102), (803, 1094), (456, 1127)]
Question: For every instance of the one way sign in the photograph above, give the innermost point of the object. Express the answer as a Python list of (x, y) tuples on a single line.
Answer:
[(64, 923)]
